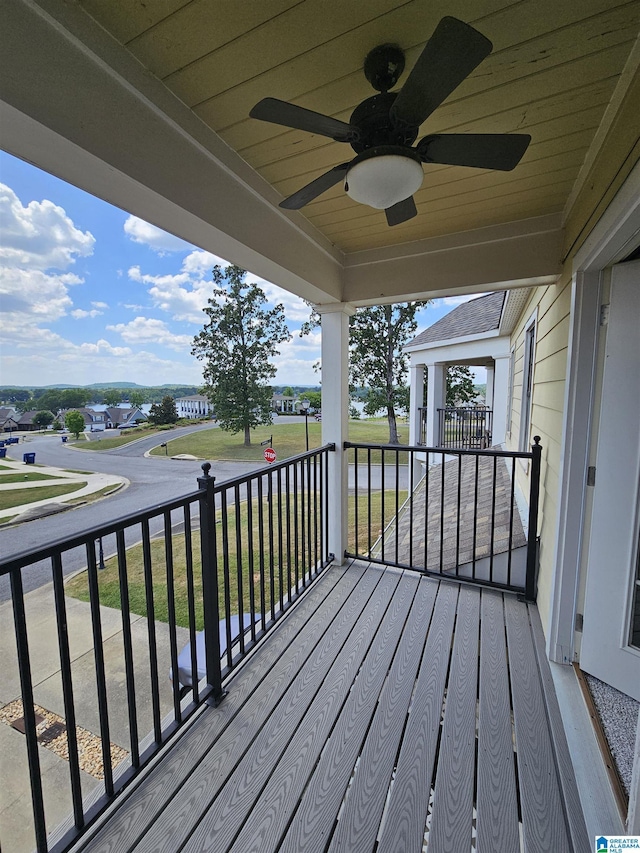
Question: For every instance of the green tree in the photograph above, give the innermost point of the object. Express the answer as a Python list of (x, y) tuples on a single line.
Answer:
[(314, 398), (43, 419), (377, 336), (136, 399), (460, 388), (112, 397), (74, 422), (164, 412), (236, 345), (288, 392)]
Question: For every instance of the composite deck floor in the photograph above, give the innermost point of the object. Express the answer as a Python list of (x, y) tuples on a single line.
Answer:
[(387, 712)]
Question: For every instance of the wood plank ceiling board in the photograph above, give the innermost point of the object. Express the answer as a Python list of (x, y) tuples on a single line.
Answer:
[(552, 72), (127, 20)]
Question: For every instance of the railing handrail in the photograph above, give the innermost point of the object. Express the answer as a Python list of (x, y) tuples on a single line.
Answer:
[(446, 451)]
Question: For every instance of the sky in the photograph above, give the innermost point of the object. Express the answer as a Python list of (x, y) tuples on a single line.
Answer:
[(90, 293)]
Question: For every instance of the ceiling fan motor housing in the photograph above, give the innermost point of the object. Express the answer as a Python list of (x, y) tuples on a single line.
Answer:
[(373, 120)]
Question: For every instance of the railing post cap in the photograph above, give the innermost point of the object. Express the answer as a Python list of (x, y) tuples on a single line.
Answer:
[(206, 481), (536, 439)]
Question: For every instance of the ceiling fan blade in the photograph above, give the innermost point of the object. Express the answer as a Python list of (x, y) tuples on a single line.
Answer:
[(482, 150), (401, 211), (315, 188), (450, 55), (290, 115)]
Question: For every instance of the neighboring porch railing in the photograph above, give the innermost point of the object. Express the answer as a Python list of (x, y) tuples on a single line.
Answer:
[(460, 428), (449, 513), (236, 553)]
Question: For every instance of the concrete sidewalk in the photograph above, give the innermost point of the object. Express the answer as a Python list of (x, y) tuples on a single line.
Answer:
[(35, 508), (16, 829)]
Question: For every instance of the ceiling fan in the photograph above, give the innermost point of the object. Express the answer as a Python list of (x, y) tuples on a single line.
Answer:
[(387, 168)]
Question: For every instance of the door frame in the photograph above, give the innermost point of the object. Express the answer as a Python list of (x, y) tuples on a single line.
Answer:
[(611, 240)]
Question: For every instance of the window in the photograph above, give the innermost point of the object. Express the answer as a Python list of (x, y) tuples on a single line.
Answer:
[(527, 384)]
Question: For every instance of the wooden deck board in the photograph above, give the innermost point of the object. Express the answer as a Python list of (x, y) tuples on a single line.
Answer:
[(497, 799), (333, 735), (452, 817), (358, 824)]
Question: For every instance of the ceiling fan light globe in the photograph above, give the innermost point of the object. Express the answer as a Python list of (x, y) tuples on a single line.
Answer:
[(384, 180)]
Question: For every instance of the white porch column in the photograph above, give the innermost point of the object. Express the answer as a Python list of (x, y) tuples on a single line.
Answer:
[(499, 399), (436, 399), (335, 417), (488, 397), (416, 396)]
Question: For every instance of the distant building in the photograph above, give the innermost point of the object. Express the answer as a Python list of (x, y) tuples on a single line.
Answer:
[(94, 421), (8, 419), (118, 416), (195, 406)]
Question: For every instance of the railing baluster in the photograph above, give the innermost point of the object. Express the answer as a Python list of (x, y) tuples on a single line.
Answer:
[(272, 581), (309, 542), (98, 653), (151, 630), (263, 592), (442, 494), (315, 514), (411, 464), (493, 516), (191, 601), (26, 689), (280, 539), (458, 512), (287, 487), (511, 512), (250, 560), (171, 612), (426, 512), (128, 647), (475, 517), (356, 518), (296, 537), (397, 505), (67, 690), (382, 487), (239, 565), (226, 573)]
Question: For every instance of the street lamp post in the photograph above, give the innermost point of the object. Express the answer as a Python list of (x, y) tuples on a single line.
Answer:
[(305, 410)]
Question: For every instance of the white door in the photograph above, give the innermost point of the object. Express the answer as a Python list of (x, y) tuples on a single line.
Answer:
[(606, 650)]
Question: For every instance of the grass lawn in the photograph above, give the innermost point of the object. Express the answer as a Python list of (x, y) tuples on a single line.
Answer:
[(109, 585), (131, 435), (288, 440), (15, 497), (25, 478)]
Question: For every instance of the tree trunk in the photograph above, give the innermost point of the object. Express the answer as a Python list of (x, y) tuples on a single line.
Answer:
[(247, 437), (393, 428)]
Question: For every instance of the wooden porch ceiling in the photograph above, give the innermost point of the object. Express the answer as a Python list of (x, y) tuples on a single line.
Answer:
[(387, 709), (552, 73)]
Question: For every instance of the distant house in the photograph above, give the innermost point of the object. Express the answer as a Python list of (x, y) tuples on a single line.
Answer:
[(194, 406), (119, 416), (476, 333), (8, 419), (25, 422), (283, 404), (95, 421)]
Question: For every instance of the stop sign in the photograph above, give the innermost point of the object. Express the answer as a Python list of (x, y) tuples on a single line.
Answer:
[(270, 454)]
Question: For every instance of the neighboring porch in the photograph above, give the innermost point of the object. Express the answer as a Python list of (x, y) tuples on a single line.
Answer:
[(386, 709)]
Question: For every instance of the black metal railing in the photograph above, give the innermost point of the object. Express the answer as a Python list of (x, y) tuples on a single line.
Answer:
[(450, 513), (461, 428), (212, 571)]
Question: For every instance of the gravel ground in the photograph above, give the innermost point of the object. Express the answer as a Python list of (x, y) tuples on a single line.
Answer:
[(619, 717), (89, 745)]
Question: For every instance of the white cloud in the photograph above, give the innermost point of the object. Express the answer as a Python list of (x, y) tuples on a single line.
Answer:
[(39, 236), (146, 330), (148, 235), (99, 304), (31, 297), (81, 313)]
